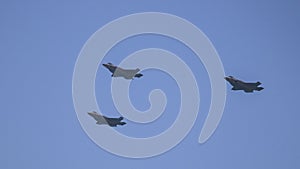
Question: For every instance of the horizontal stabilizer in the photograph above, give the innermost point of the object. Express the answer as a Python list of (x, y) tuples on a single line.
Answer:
[(259, 88), (138, 75), (122, 123)]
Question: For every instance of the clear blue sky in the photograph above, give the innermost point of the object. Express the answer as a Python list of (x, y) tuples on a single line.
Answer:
[(257, 40)]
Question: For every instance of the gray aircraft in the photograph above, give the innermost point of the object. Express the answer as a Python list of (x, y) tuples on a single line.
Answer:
[(112, 122), (120, 72), (240, 85)]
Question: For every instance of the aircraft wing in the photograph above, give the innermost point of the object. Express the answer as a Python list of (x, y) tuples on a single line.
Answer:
[(251, 84), (248, 90), (99, 118), (113, 122), (113, 119), (126, 73), (133, 71)]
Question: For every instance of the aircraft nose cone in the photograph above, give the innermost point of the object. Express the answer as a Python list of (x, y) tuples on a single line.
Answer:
[(227, 79), (105, 65)]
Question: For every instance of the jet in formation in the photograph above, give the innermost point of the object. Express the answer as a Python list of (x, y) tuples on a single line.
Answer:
[(112, 122), (120, 72), (240, 85)]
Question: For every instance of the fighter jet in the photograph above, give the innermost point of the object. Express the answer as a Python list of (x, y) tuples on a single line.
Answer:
[(240, 85), (120, 72), (112, 122)]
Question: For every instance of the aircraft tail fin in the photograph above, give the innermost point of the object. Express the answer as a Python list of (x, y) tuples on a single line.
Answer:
[(259, 88), (258, 83), (121, 118), (138, 75)]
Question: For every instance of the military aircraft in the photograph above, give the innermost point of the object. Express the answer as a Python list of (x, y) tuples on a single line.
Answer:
[(240, 85), (112, 122), (120, 72)]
